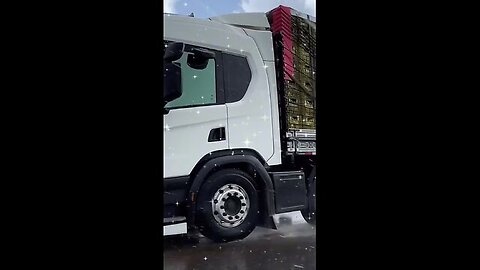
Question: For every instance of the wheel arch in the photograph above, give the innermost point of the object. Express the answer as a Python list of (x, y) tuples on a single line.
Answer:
[(243, 160)]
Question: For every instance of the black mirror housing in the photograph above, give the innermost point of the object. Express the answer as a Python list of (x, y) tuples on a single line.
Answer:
[(199, 58), (172, 73), (196, 62), (173, 52), (172, 82)]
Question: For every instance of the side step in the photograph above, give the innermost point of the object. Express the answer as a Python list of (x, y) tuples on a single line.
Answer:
[(175, 225)]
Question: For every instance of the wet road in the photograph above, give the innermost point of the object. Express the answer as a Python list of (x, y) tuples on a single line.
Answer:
[(292, 246)]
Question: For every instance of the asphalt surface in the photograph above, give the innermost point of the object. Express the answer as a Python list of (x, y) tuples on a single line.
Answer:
[(292, 246)]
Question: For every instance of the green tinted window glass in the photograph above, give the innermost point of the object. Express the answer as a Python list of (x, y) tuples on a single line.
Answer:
[(198, 86)]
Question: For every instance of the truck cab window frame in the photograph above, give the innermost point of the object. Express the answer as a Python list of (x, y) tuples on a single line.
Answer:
[(219, 93)]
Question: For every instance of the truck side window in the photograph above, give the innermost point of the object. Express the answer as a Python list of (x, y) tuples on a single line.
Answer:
[(237, 76), (199, 86)]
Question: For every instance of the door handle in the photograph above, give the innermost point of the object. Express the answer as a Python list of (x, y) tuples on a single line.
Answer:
[(217, 134)]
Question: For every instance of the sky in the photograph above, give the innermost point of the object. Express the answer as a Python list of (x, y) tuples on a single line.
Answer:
[(211, 8)]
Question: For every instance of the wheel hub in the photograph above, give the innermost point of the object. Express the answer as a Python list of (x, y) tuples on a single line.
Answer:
[(230, 205)]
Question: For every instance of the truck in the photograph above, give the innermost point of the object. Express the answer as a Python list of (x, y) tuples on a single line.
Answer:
[(239, 121)]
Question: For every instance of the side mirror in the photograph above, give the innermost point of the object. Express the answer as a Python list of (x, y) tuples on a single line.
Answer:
[(172, 73), (173, 52), (199, 58), (172, 82)]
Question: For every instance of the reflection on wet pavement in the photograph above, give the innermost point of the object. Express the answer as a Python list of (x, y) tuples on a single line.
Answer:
[(292, 246)]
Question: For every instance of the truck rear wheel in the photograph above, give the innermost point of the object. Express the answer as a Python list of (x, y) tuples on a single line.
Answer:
[(227, 206)]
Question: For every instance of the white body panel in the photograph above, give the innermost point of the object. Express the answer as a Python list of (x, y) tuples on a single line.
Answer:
[(186, 137), (264, 42), (250, 119), (250, 123)]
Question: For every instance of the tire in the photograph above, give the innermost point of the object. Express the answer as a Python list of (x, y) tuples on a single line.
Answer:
[(310, 213), (212, 220)]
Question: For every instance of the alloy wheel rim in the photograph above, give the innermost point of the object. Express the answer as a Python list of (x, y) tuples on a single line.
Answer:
[(230, 205)]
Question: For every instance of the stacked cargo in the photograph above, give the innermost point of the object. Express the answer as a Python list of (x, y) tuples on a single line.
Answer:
[(298, 33)]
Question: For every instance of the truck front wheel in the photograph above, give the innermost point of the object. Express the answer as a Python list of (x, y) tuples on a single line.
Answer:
[(227, 206)]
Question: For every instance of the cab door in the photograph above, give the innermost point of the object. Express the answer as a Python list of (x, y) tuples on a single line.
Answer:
[(196, 123)]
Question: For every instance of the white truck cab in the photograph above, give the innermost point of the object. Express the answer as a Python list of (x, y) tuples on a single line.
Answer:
[(222, 132), (233, 93)]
